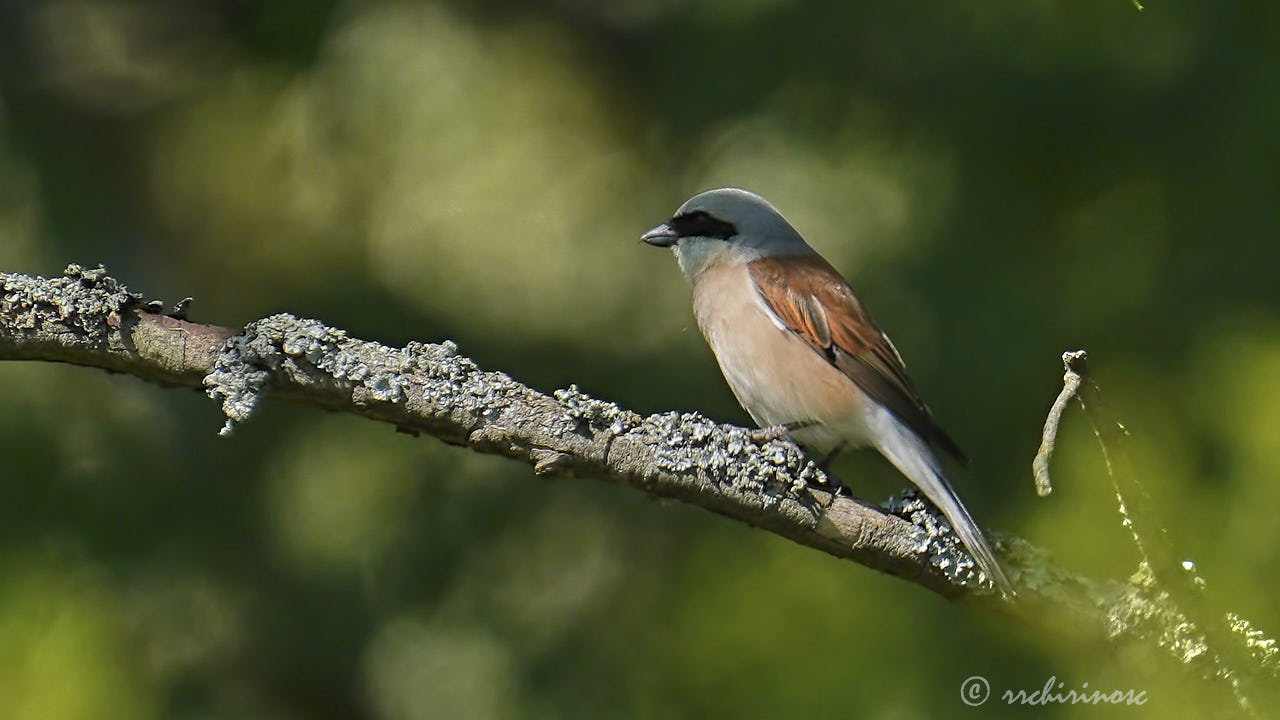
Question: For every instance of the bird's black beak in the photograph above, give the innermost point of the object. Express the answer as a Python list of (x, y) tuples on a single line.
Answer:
[(661, 236)]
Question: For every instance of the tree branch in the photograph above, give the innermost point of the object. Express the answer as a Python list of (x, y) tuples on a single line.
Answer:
[(1235, 649), (87, 318)]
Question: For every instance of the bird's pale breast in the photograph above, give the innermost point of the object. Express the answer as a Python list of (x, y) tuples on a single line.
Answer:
[(775, 375)]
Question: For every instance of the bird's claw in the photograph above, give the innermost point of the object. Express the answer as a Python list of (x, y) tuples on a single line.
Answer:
[(775, 432)]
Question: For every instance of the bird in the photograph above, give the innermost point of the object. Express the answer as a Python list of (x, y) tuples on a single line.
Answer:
[(800, 351)]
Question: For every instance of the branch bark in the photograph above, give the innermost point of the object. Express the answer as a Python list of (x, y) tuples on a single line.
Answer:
[(85, 317)]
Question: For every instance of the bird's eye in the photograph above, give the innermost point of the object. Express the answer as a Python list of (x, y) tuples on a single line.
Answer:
[(701, 224)]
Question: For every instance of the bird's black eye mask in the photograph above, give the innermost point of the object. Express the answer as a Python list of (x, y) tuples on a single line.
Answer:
[(701, 224)]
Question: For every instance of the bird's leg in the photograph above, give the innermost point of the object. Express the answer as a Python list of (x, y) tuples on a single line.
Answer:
[(825, 464), (773, 432)]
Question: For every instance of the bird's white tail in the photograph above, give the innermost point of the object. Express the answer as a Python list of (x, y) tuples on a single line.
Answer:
[(912, 456)]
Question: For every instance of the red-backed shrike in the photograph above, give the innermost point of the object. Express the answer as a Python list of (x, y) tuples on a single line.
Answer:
[(799, 350)]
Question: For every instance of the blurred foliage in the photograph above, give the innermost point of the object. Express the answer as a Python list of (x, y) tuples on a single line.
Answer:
[(1002, 181)]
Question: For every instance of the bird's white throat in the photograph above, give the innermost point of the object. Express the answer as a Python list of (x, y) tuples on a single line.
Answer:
[(696, 254)]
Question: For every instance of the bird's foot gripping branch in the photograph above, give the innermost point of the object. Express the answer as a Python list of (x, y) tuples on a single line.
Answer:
[(85, 317)]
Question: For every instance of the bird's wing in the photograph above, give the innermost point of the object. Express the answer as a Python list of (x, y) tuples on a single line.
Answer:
[(815, 303)]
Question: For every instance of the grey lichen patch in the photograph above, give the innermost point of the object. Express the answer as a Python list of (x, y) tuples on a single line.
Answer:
[(934, 539), (236, 382), (684, 443), (286, 351), (595, 414), (688, 444), (88, 303), (1140, 609), (453, 384), (1261, 647), (1135, 610), (302, 352)]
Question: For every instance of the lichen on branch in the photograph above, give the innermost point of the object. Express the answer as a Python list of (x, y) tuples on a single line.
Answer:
[(87, 318)]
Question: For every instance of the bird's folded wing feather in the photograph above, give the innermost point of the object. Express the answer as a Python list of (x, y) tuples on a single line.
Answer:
[(815, 303)]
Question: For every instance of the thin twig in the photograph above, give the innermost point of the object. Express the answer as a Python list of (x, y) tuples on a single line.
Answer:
[(1049, 438)]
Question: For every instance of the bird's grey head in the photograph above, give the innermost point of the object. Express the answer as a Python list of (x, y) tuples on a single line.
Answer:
[(722, 225)]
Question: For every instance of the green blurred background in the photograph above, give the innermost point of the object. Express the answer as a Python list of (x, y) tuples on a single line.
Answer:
[(1002, 181)]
